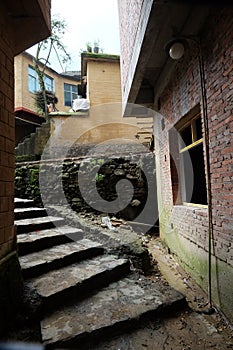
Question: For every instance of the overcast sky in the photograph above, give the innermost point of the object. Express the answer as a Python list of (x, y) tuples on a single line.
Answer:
[(87, 20)]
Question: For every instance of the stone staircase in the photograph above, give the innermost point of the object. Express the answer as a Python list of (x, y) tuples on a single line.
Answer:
[(84, 292), (145, 131), (35, 143)]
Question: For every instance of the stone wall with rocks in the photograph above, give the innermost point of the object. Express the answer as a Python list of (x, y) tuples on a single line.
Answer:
[(91, 184)]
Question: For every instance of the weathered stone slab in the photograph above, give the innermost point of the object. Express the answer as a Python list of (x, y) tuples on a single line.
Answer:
[(117, 306), (27, 225), (22, 203), (41, 239), (30, 212), (35, 264), (85, 275)]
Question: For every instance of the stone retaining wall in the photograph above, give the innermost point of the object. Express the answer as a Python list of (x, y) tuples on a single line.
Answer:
[(102, 174)]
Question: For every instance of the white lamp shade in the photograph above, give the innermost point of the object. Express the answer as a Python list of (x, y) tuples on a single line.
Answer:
[(176, 51)]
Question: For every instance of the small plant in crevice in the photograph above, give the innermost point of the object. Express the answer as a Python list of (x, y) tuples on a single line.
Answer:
[(99, 177)]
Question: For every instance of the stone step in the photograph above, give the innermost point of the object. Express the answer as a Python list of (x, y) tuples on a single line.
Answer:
[(28, 213), (75, 281), (114, 309), (29, 225), (23, 203), (36, 264), (42, 239)]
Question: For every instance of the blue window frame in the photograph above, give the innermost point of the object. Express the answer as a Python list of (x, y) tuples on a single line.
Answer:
[(70, 93)]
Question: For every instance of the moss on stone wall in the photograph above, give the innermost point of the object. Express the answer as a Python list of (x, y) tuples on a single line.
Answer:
[(27, 182), (106, 175), (25, 158)]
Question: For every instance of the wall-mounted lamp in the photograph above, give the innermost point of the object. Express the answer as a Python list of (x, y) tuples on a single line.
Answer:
[(176, 50)]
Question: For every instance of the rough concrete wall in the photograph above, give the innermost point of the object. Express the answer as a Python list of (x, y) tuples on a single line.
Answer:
[(129, 13), (104, 123), (185, 229), (104, 85), (134, 15), (45, 6)]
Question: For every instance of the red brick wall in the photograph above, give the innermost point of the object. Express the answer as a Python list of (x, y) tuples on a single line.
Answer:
[(185, 229), (6, 136), (220, 103), (12, 39)]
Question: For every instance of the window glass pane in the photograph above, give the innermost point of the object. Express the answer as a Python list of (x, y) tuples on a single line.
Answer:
[(67, 99), (66, 87), (75, 88), (32, 71), (32, 79), (70, 93), (31, 84), (48, 83)]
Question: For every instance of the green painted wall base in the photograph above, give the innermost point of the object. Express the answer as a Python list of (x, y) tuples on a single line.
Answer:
[(194, 259)]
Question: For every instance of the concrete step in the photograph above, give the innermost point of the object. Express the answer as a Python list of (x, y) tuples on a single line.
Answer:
[(29, 225), (23, 203), (42, 239), (28, 213), (75, 281), (114, 309), (36, 264)]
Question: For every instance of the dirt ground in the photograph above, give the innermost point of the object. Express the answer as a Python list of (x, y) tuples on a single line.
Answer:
[(194, 329), (189, 329)]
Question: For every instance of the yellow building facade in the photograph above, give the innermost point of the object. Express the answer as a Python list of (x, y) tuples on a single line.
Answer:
[(24, 98), (27, 116), (103, 78)]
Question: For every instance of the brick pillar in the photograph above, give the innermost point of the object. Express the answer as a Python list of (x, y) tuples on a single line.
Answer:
[(10, 276)]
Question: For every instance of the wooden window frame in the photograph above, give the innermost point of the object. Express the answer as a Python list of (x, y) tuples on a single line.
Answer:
[(180, 189)]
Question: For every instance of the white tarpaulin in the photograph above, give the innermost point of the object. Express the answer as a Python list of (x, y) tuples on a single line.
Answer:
[(80, 104)]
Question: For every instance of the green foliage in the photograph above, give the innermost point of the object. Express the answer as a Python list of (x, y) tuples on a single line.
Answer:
[(27, 182), (24, 158), (43, 53), (91, 47), (99, 177), (100, 55), (96, 43), (39, 100), (95, 162), (34, 182)]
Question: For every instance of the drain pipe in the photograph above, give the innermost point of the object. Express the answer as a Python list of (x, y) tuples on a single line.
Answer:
[(207, 142)]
